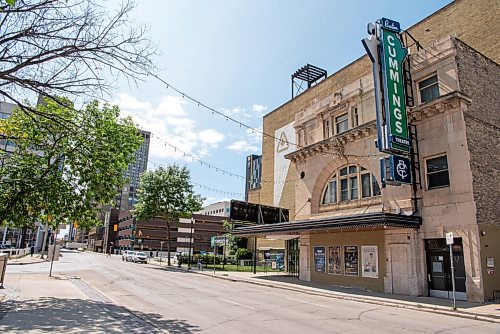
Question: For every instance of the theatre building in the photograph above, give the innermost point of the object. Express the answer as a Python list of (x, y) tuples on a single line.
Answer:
[(324, 167)]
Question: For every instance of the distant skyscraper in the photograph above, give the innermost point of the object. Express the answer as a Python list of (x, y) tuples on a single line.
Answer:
[(127, 197)]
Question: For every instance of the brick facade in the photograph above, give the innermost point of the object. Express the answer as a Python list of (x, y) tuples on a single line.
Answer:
[(461, 124)]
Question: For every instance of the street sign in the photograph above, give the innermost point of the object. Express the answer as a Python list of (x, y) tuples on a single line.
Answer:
[(449, 238), (218, 240)]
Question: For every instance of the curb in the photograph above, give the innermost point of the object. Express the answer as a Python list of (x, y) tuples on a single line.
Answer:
[(370, 300), (24, 263)]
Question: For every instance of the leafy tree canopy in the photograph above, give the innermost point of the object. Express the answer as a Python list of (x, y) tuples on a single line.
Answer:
[(168, 193), (63, 165)]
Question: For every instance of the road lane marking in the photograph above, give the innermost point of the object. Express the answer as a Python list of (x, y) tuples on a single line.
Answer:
[(238, 304), (301, 301)]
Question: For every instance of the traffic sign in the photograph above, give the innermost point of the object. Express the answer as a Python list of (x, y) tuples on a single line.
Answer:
[(449, 238)]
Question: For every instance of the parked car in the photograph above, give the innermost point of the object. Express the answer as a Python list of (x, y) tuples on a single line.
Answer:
[(140, 257), (127, 255)]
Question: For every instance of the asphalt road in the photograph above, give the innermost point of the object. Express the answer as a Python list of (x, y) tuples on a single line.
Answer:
[(182, 302)]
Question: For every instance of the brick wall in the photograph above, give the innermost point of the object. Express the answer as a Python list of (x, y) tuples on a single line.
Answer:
[(474, 21), (479, 78)]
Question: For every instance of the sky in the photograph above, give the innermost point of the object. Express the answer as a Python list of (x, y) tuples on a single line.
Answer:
[(237, 57)]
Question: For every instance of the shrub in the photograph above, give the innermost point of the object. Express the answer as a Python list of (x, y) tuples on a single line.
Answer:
[(243, 254)]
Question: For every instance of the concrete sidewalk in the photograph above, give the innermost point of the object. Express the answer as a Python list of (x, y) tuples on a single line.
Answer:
[(35, 303), (479, 311), (27, 259)]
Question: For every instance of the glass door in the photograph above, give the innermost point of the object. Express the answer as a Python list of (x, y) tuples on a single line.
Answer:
[(293, 257)]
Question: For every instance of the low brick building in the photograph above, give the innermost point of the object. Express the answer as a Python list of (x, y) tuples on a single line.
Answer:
[(147, 234)]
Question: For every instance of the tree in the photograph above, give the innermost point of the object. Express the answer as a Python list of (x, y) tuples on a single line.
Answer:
[(234, 242), (60, 171), (69, 48), (167, 193)]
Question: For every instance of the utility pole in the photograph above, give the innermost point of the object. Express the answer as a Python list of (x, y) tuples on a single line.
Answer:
[(449, 242)]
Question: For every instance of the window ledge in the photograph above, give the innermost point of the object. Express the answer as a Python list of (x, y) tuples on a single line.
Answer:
[(439, 105), (330, 145), (358, 203)]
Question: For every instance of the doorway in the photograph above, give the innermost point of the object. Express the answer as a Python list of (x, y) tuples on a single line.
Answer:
[(439, 269), (293, 256)]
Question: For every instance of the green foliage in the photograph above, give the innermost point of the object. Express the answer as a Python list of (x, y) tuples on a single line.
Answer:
[(63, 164), (167, 192), (234, 243), (243, 254)]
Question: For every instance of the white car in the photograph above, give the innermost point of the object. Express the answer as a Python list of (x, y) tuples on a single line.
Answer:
[(140, 257), (127, 255)]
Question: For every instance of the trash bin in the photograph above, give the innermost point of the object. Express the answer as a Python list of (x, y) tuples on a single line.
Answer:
[(3, 267)]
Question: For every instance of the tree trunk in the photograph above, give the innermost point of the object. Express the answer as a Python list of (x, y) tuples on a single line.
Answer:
[(23, 237), (44, 239)]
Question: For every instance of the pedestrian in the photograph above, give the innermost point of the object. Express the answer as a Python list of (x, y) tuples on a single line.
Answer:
[(200, 265), (32, 250), (109, 253)]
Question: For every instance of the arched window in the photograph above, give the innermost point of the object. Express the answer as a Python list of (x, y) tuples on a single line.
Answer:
[(350, 183)]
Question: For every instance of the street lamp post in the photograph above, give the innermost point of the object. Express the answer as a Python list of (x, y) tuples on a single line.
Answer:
[(161, 250), (190, 243)]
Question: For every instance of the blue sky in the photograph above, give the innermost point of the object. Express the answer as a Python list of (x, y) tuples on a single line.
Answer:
[(237, 57)]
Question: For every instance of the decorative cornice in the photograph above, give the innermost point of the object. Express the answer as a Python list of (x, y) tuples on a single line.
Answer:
[(333, 145), (450, 101)]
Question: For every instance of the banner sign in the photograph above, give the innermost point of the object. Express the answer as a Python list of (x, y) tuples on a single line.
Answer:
[(393, 55), (319, 259), (387, 53), (351, 260), (334, 260), (395, 170), (369, 258)]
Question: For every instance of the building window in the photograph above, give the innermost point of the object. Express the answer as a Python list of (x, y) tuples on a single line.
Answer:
[(326, 128), (437, 172), (350, 183), (341, 123), (354, 117), (429, 89)]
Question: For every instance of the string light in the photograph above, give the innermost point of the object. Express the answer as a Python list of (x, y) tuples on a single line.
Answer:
[(206, 187), (240, 124)]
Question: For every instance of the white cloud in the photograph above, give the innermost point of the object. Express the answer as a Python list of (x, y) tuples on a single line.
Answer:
[(242, 146), (258, 108), (211, 137), (170, 122), (233, 111)]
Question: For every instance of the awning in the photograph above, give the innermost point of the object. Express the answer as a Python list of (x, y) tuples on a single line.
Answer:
[(333, 223)]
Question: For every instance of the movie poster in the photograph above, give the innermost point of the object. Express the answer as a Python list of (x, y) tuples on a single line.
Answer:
[(319, 259), (351, 261), (334, 260), (369, 260)]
